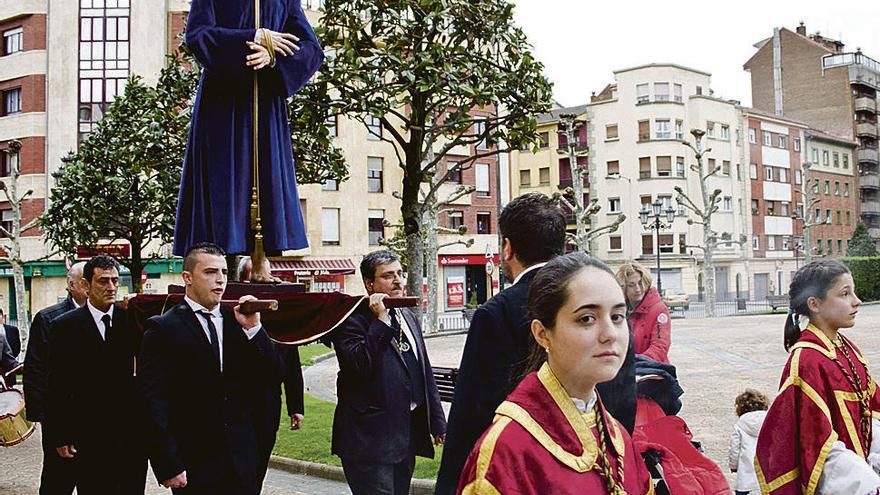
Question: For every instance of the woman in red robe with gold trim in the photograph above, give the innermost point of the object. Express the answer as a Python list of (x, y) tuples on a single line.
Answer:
[(552, 434), (819, 434)]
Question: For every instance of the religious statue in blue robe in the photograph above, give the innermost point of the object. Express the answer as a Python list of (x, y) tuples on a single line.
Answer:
[(215, 187)]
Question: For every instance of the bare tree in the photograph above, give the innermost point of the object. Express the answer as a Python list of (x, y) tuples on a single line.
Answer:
[(808, 219), (11, 241)]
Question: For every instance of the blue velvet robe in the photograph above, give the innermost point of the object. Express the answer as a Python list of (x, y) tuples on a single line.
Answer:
[(215, 188)]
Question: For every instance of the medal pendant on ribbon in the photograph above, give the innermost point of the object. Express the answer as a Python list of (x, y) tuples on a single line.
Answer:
[(404, 347)]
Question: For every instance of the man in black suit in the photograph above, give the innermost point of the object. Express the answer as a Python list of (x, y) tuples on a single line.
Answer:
[(532, 227), (199, 366), (389, 406), (95, 424), (13, 338), (292, 379), (57, 475)]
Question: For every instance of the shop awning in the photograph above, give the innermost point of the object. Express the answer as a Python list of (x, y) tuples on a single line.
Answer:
[(306, 268)]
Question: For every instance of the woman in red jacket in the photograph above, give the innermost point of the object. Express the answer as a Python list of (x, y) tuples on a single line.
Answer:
[(648, 316)]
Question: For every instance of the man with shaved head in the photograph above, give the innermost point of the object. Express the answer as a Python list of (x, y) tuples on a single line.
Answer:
[(57, 476)]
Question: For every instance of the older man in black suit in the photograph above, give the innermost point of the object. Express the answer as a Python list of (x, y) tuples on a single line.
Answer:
[(199, 364), (57, 475), (389, 407), (95, 424)]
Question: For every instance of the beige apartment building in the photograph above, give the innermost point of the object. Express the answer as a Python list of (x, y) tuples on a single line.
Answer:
[(63, 63)]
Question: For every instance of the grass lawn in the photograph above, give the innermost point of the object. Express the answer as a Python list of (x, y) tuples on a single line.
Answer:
[(312, 442), (308, 353)]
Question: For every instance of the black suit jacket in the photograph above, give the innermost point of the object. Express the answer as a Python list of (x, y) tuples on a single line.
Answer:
[(200, 420), (373, 417), (292, 379), (494, 358), (13, 338), (94, 413), (36, 361)]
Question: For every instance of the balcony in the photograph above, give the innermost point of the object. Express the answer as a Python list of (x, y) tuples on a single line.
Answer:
[(866, 129), (870, 181), (868, 155), (870, 207), (866, 104)]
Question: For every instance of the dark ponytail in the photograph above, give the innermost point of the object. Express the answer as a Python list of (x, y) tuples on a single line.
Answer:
[(549, 292), (813, 280)]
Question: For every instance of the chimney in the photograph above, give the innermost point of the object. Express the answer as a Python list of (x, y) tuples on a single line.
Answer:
[(802, 30)]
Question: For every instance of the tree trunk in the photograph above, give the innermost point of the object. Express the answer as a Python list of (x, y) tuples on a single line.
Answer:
[(20, 299), (708, 236), (136, 267), (431, 252), (415, 251)]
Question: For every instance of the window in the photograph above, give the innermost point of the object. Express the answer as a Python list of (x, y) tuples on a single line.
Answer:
[(644, 130), (613, 205), (798, 177), (828, 216), (544, 176), (786, 243), (376, 225), (645, 167), (829, 246), (771, 243), (374, 128), (484, 223), (611, 131), (756, 205), (796, 142), (8, 162), (667, 244), (615, 243), (525, 178), (613, 167), (771, 208), (725, 167), (728, 203), (848, 217), (825, 157), (6, 219), (453, 173), (756, 243), (784, 208), (647, 244), (818, 218), (839, 247), (330, 226), (12, 101), (845, 160), (544, 139), (13, 41), (845, 188), (836, 188), (816, 186), (330, 185), (456, 219), (799, 210), (768, 139), (479, 130), (676, 92), (699, 90), (664, 166), (768, 174), (661, 91), (753, 171), (836, 159), (783, 142), (679, 129), (679, 166), (711, 165), (753, 135), (819, 246), (662, 129), (710, 129), (374, 174), (725, 132), (642, 93), (827, 187), (332, 125), (815, 156), (839, 217), (783, 175), (482, 173)]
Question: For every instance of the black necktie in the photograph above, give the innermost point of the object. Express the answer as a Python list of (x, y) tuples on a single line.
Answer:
[(395, 323), (215, 343), (107, 322), (413, 368)]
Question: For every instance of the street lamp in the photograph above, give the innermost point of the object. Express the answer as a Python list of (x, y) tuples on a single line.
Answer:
[(650, 215)]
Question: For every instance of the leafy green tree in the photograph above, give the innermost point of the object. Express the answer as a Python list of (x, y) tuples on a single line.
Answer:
[(317, 159), (440, 75), (861, 243)]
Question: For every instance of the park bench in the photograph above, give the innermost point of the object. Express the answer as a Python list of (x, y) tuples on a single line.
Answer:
[(778, 301), (445, 379)]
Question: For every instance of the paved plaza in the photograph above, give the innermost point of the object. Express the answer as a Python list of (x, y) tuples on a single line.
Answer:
[(716, 360)]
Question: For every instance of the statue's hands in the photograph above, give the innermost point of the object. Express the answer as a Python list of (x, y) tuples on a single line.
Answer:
[(259, 57), (284, 43)]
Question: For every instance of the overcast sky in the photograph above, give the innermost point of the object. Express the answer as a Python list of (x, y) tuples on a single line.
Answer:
[(581, 42)]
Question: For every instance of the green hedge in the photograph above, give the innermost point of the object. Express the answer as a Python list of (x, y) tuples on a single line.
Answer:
[(866, 275)]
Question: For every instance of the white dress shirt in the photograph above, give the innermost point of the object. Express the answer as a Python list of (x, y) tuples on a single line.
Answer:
[(98, 316), (527, 270), (217, 318)]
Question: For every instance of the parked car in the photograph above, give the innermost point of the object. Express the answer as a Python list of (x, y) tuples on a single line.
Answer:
[(676, 298)]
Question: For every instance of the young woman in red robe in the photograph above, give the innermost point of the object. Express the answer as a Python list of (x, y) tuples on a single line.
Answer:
[(819, 434), (552, 434)]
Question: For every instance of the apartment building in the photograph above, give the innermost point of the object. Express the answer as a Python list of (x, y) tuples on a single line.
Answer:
[(813, 79)]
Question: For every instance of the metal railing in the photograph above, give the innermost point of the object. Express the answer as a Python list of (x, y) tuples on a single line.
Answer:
[(865, 104), (851, 58)]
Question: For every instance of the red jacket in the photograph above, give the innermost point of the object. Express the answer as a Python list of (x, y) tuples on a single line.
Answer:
[(651, 327)]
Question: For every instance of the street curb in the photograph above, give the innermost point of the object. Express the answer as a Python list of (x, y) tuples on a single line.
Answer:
[(323, 357), (417, 487)]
